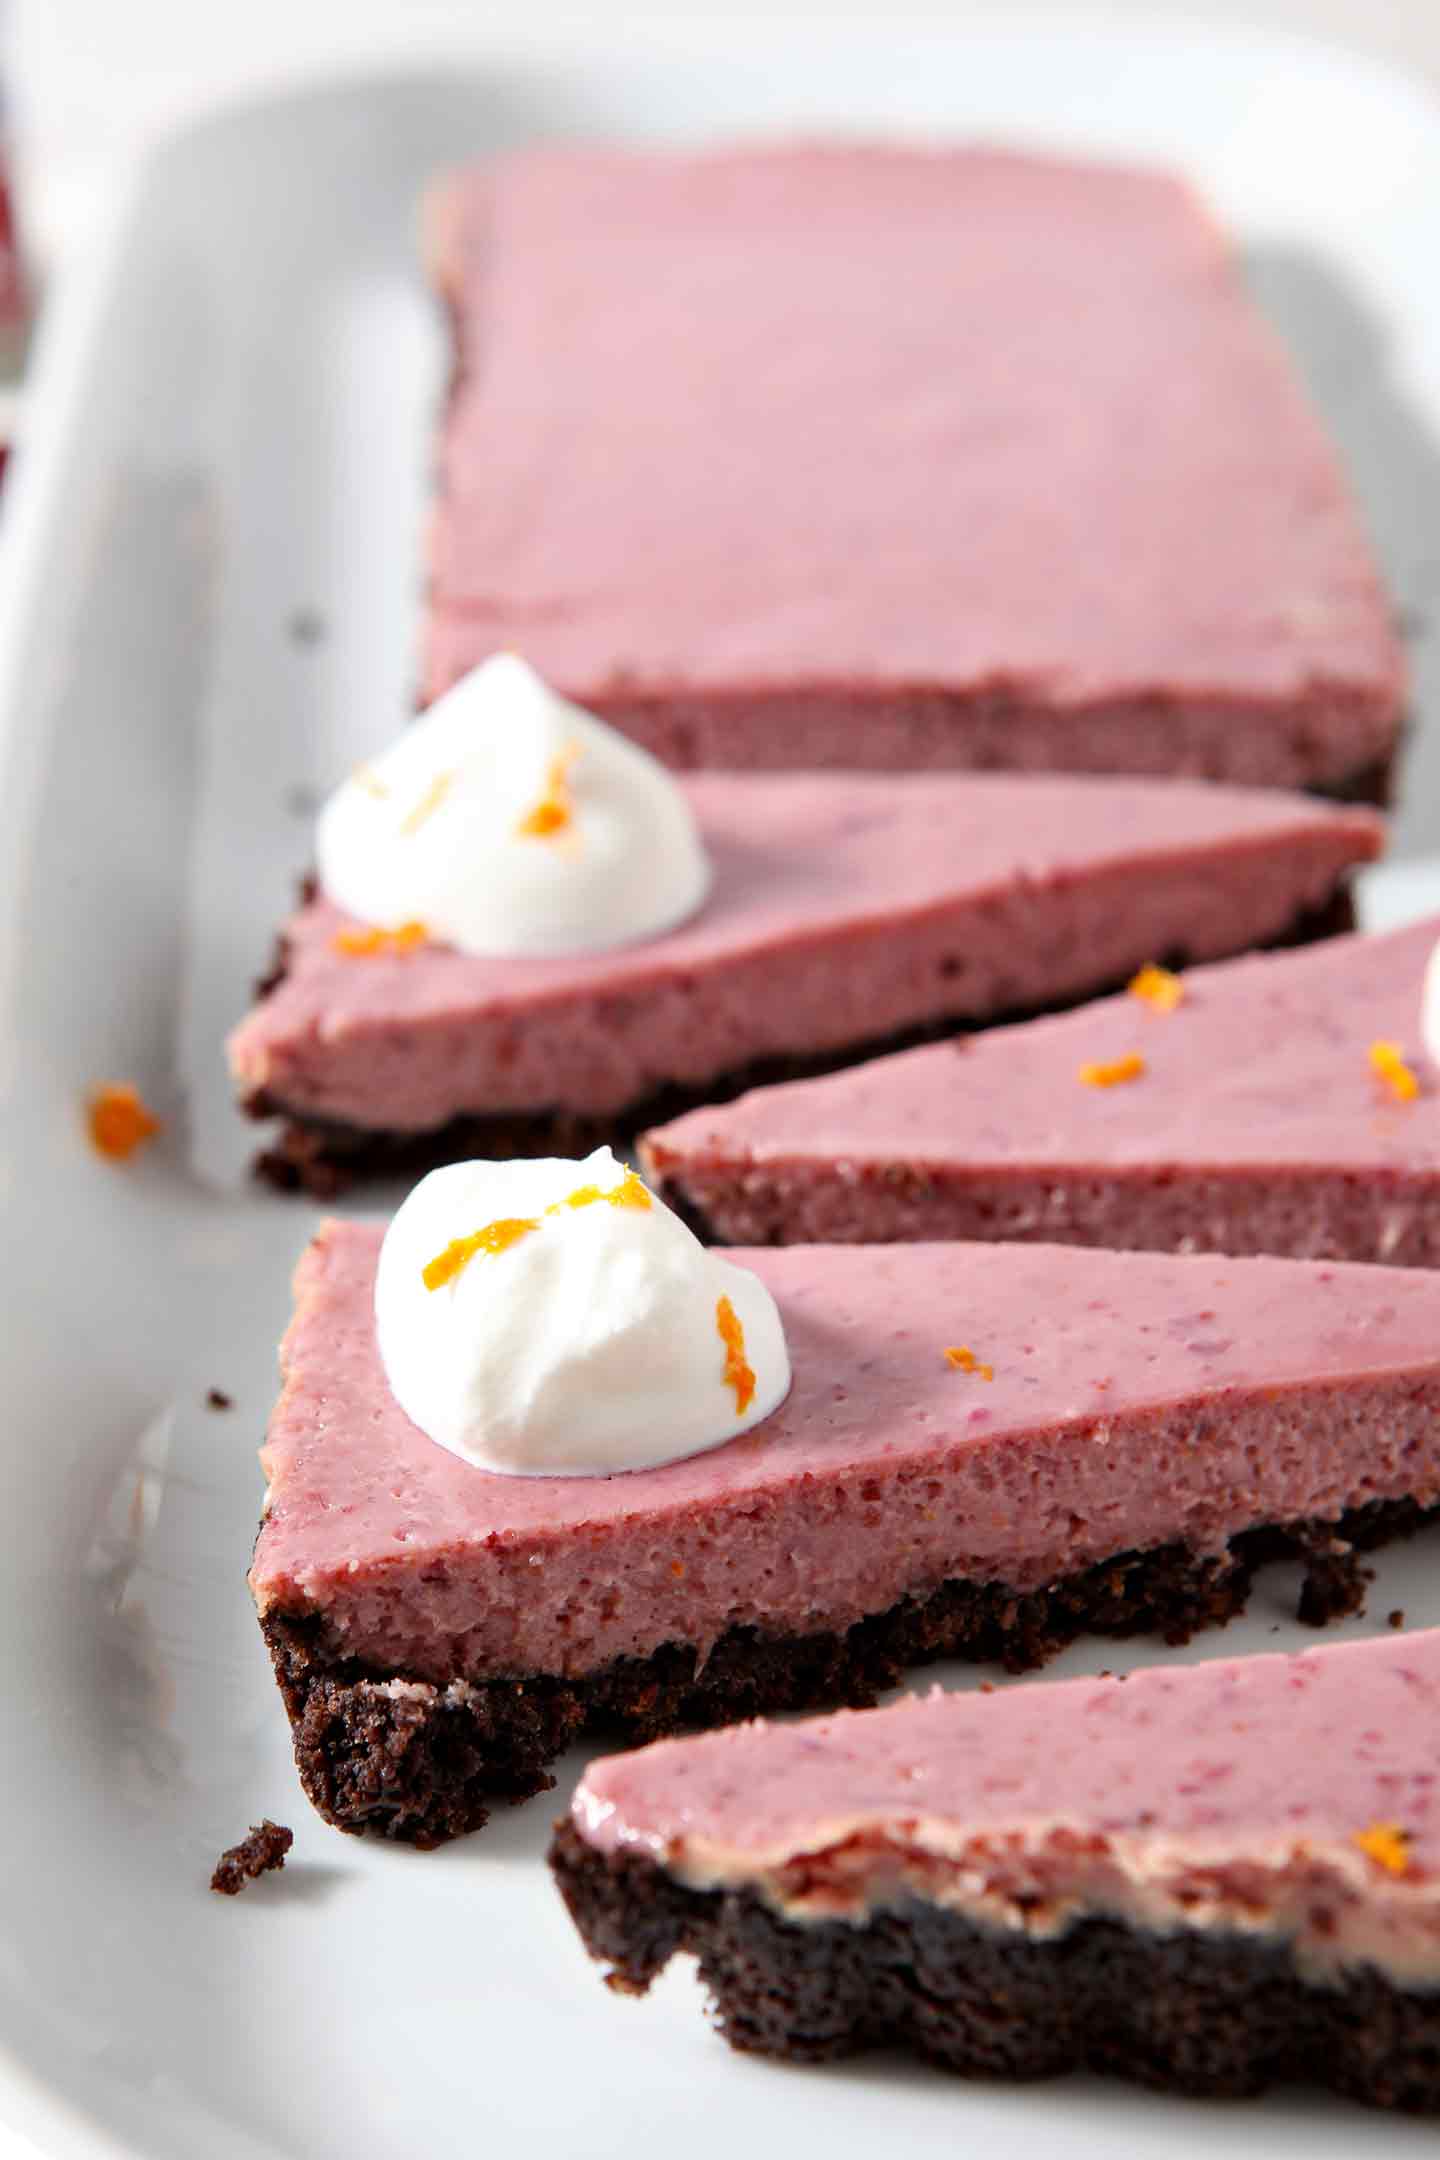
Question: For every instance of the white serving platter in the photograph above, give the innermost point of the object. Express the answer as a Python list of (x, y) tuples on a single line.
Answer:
[(207, 604)]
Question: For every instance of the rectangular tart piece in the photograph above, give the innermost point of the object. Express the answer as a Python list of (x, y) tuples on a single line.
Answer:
[(986, 1450), (1204, 1877), (846, 910), (907, 457), (1283, 1105)]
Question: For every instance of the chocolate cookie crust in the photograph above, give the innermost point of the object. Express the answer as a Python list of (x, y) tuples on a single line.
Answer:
[(324, 1157), (1211, 2016), (419, 1762), (1369, 787)]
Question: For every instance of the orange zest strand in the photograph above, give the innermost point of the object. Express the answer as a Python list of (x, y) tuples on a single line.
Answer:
[(120, 1121), (369, 782), (737, 1373), (496, 1237), (1387, 1845), (629, 1193), (1121, 1069), (1157, 987), (556, 807), (363, 944), (428, 804), (1388, 1065), (965, 1360)]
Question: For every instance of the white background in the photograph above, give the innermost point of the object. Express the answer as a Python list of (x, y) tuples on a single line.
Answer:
[(89, 78)]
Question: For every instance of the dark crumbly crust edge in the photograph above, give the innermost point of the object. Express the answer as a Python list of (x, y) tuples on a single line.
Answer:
[(1212, 2016), (323, 1156), (421, 1761)]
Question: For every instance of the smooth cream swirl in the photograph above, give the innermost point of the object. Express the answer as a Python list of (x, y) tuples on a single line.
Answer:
[(507, 821)]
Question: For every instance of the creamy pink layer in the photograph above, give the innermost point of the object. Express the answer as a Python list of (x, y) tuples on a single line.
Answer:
[(1259, 1124), (1226, 1794), (844, 907), (1136, 1399), (863, 453)]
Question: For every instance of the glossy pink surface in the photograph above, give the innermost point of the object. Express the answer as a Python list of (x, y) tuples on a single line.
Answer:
[(1325, 1742), (845, 907), (866, 455), (1136, 1399), (1259, 1117)]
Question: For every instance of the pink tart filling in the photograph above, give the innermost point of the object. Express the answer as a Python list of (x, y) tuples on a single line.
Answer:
[(844, 908), (1132, 1400), (1286, 1105), (1290, 1795), (922, 584)]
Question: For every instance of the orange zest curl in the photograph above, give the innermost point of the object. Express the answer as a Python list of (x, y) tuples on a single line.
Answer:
[(629, 1193), (364, 944), (737, 1373), (1387, 1845), (428, 804), (1115, 1074), (556, 808), (496, 1237), (120, 1121), (1388, 1065), (965, 1360), (1159, 988)]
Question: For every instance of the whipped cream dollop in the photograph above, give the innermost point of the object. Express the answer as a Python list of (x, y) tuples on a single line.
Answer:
[(549, 1317), (507, 820)]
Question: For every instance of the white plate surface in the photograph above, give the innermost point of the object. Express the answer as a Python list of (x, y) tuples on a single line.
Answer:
[(228, 449)]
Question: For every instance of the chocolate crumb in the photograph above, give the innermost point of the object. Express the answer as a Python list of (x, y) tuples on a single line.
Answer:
[(1396, 1619), (264, 1848), (217, 1399), (1334, 1583)]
